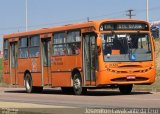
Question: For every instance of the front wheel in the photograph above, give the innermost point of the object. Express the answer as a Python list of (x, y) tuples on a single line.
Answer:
[(77, 85), (126, 89)]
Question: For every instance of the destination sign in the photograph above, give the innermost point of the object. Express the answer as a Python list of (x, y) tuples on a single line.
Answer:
[(124, 26)]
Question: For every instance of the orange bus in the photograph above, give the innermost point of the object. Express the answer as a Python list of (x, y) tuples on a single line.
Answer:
[(109, 53)]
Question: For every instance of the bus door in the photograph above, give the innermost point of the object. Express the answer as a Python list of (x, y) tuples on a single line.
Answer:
[(89, 58), (13, 62), (46, 61)]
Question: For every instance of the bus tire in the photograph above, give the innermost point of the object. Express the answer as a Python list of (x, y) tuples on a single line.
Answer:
[(29, 87), (28, 83), (77, 85), (126, 89)]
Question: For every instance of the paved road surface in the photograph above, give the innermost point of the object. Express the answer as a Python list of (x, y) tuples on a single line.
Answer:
[(54, 98)]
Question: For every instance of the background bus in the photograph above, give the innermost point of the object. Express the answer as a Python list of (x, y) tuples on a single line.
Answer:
[(98, 54)]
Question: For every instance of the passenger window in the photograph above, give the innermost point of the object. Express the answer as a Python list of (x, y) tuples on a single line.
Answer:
[(5, 49), (59, 46), (34, 48), (73, 42), (23, 47)]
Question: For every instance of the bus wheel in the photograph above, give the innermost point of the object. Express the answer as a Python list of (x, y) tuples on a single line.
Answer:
[(77, 85), (29, 87), (28, 83), (126, 89)]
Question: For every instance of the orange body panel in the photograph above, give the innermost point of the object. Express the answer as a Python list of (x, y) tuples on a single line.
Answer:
[(61, 79), (116, 70), (6, 78), (66, 63), (20, 79), (6, 72), (37, 79), (32, 64), (23, 65), (105, 77)]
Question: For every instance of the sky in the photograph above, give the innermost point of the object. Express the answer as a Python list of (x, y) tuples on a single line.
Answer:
[(47, 13)]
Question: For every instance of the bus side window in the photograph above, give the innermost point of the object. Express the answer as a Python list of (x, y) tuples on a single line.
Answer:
[(6, 49), (59, 46), (34, 46), (23, 47), (73, 43)]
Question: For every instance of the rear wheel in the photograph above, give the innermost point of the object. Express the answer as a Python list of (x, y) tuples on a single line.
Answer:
[(126, 89), (29, 87), (77, 85)]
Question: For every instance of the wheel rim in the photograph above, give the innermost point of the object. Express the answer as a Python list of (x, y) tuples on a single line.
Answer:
[(77, 84), (28, 84)]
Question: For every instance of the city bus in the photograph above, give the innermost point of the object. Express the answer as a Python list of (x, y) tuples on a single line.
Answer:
[(109, 53)]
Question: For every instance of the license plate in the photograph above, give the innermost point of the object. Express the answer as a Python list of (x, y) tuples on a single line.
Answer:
[(131, 77)]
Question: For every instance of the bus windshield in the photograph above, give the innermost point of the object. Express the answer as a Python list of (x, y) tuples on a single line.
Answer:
[(126, 47)]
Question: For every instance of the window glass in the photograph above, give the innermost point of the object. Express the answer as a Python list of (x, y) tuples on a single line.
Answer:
[(59, 46), (6, 54), (35, 41), (73, 48), (73, 36), (23, 52), (59, 50), (23, 47), (127, 47), (59, 38), (73, 42), (34, 50), (23, 42), (5, 49), (5, 44)]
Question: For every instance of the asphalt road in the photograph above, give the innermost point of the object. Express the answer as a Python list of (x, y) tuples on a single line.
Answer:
[(54, 98)]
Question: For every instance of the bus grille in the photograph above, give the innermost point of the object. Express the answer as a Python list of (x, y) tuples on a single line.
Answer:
[(124, 79), (129, 71)]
